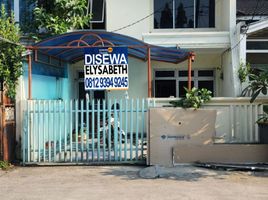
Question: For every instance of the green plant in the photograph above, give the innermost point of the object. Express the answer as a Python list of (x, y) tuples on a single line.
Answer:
[(59, 16), (4, 165), (194, 98), (243, 72), (10, 55), (258, 83)]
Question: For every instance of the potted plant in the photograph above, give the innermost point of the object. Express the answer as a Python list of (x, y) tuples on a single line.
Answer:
[(258, 84), (194, 98)]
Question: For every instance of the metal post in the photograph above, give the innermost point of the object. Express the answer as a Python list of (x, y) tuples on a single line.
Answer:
[(189, 72), (149, 72), (191, 58), (29, 76)]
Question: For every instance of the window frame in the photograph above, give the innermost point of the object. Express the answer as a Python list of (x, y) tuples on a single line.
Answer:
[(89, 10), (174, 22), (177, 78), (256, 50)]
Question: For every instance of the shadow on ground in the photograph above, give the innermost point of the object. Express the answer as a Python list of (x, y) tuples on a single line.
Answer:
[(179, 173)]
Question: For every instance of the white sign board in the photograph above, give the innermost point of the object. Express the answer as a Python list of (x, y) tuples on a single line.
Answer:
[(106, 68)]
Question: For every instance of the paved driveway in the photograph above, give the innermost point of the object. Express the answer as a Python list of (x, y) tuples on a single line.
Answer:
[(124, 182)]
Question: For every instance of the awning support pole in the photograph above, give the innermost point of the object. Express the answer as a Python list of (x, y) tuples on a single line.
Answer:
[(149, 72), (29, 76), (190, 59)]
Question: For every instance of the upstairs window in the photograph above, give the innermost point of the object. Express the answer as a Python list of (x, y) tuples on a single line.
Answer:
[(172, 14), (97, 9), (9, 6)]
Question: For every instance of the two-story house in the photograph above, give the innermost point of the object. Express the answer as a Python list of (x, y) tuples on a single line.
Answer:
[(206, 27)]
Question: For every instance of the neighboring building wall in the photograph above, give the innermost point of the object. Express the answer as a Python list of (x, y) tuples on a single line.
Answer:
[(253, 16)]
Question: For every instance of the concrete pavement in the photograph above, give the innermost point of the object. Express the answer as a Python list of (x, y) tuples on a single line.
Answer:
[(124, 182)]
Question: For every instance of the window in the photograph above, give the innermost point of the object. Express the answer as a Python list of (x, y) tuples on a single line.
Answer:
[(97, 9), (257, 45), (9, 5), (184, 14), (165, 88), (169, 83), (26, 14), (257, 52)]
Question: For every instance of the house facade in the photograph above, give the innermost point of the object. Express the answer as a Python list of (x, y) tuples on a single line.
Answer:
[(206, 27), (209, 28)]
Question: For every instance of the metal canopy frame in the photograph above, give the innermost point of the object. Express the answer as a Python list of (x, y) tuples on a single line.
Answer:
[(69, 47)]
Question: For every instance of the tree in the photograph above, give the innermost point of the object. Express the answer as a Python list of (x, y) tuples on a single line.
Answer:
[(10, 55), (59, 16)]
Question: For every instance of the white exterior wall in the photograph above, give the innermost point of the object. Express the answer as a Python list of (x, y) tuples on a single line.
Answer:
[(227, 89), (137, 74), (208, 43), (121, 13)]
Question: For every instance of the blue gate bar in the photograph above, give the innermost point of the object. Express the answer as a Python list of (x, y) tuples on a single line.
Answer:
[(44, 131), (109, 129), (54, 129), (87, 128), (49, 131), (82, 129), (39, 131), (71, 128), (115, 128), (126, 131), (131, 128), (98, 129), (137, 119), (142, 128), (104, 128), (33, 131), (28, 130), (65, 131), (121, 130), (92, 128), (76, 131), (60, 128)]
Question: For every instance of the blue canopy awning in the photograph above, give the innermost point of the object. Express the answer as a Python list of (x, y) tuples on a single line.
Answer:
[(70, 46)]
